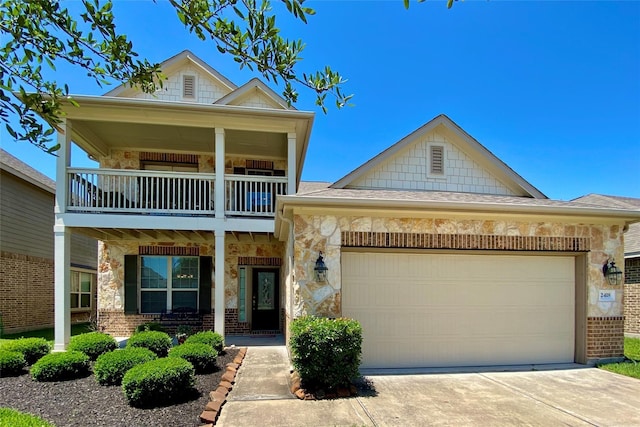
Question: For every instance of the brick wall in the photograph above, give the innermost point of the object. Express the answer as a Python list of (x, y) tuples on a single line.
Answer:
[(632, 308), (632, 270), (605, 338), (27, 292), (117, 324)]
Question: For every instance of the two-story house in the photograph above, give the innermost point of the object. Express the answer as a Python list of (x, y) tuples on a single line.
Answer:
[(183, 199), (445, 255)]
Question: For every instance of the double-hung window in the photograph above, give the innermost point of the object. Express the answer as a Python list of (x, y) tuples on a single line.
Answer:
[(168, 283), (81, 284)]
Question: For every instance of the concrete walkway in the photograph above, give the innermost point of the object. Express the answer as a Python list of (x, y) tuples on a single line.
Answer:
[(576, 397)]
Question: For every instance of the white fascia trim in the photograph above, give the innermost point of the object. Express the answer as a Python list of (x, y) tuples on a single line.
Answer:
[(179, 105), (626, 215)]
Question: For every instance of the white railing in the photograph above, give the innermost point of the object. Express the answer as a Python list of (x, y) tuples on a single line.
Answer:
[(129, 191), (252, 195)]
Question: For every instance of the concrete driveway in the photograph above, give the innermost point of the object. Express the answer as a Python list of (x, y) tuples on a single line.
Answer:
[(576, 396)]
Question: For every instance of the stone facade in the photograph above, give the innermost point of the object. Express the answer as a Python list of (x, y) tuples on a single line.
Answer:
[(328, 233), (111, 280)]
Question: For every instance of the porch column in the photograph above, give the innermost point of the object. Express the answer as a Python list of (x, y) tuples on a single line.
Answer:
[(219, 186), (62, 163), (62, 244), (62, 288), (291, 163), (219, 282)]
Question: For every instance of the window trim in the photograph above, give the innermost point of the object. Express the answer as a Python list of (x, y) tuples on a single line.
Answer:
[(169, 289), (94, 281)]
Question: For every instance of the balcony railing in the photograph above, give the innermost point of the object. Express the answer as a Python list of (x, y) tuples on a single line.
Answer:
[(252, 195), (169, 193)]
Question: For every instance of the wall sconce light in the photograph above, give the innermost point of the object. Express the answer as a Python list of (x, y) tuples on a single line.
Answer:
[(612, 273), (320, 269)]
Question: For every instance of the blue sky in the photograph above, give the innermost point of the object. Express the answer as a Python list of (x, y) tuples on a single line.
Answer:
[(551, 88)]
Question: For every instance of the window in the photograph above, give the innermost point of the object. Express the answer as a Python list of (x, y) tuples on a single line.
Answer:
[(436, 164), (81, 285), (189, 87), (168, 283), (242, 294)]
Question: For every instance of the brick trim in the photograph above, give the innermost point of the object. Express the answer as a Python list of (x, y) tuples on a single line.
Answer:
[(169, 250), (464, 241), (605, 337), (255, 260), (169, 157), (259, 164), (23, 257)]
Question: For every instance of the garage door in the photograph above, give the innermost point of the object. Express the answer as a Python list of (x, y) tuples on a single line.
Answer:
[(443, 310)]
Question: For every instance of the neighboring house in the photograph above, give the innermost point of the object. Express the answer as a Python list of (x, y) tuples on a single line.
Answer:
[(444, 254), (26, 252), (631, 259)]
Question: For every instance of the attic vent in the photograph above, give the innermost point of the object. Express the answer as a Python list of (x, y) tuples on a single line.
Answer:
[(188, 86), (437, 159)]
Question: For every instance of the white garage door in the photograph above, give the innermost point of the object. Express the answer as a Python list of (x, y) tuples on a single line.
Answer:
[(440, 310)]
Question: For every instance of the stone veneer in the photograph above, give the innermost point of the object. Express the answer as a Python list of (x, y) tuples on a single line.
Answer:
[(328, 233), (111, 280)]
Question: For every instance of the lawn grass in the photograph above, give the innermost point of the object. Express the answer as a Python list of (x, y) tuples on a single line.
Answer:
[(631, 351), (48, 333)]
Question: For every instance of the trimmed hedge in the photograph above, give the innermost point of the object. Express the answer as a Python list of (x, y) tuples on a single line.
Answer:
[(325, 352), (150, 326), (209, 338), (31, 348), (61, 366), (110, 368), (156, 341), (201, 356), (93, 344), (11, 363), (159, 382), (12, 418)]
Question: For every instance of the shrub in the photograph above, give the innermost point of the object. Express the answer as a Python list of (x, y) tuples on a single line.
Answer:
[(31, 348), (201, 356), (150, 326), (61, 366), (13, 418), (156, 341), (325, 352), (210, 338), (93, 344), (158, 382), (11, 363), (111, 367)]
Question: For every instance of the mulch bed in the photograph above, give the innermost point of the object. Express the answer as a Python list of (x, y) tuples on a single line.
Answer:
[(83, 402)]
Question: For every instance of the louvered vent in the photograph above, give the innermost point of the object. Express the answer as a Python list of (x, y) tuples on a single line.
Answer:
[(437, 159), (189, 86)]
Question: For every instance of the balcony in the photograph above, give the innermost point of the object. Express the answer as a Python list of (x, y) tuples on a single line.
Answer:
[(117, 191)]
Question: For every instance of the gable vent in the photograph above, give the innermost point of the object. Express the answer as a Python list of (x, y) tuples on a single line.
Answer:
[(189, 86), (437, 159)]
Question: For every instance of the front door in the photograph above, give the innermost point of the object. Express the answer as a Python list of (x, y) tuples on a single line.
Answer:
[(265, 300)]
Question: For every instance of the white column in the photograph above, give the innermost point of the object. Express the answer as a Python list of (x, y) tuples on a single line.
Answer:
[(220, 154), (62, 163), (219, 282), (291, 163), (62, 287)]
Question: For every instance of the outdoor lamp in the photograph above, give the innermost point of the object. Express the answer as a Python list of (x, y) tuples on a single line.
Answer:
[(320, 269), (612, 273)]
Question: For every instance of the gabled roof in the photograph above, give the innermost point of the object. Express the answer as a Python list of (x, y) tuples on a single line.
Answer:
[(466, 143), (632, 236), (176, 62), (254, 86), (18, 168)]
